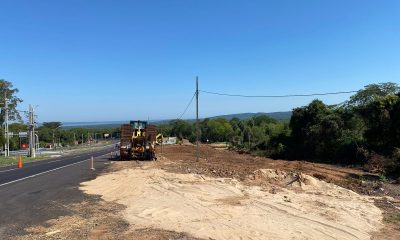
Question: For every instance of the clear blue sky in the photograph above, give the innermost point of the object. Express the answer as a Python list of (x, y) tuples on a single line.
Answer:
[(119, 60)]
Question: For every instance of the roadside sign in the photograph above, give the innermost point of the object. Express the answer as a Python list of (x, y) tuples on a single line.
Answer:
[(10, 134), (23, 134)]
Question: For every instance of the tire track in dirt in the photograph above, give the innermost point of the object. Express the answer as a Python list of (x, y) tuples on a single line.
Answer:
[(309, 220), (194, 204)]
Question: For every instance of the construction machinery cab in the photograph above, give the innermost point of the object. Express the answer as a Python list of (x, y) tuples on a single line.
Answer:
[(139, 128)]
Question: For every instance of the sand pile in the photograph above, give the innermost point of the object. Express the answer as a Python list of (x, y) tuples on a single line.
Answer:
[(186, 142), (223, 208), (292, 180)]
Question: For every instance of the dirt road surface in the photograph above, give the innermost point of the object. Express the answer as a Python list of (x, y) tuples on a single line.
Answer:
[(226, 195)]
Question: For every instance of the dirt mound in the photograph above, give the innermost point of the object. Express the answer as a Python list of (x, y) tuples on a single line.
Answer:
[(186, 142), (224, 208), (286, 179)]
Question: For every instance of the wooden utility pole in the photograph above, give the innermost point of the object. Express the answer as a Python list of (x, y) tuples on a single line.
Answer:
[(197, 120), (7, 134), (32, 144)]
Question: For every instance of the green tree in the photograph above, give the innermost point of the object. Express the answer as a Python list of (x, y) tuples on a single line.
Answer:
[(7, 90), (259, 120), (51, 125), (301, 122), (317, 132), (373, 92), (181, 129), (49, 132), (382, 118), (217, 130), (238, 132)]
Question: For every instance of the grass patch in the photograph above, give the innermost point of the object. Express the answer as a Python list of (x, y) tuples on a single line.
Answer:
[(13, 160), (392, 217), (391, 213)]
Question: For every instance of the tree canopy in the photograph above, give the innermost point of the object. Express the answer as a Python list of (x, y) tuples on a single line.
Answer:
[(353, 133), (51, 125), (7, 90), (373, 92)]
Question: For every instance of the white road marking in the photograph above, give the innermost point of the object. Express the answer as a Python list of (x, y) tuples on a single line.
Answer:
[(12, 169), (45, 172), (78, 156)]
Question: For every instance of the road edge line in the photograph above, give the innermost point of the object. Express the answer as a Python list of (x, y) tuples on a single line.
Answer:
[(41, 173), (8, 170)]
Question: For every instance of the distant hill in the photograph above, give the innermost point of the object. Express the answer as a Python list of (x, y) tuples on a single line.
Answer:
[(280, 116), (107, 124)]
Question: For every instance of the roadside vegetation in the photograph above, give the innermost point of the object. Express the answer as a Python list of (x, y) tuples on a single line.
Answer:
[(365, 131), (52, 133), (49, 133), (13, 160)]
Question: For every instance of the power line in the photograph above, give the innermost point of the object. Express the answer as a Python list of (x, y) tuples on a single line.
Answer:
[(277, 96), (187, 107)]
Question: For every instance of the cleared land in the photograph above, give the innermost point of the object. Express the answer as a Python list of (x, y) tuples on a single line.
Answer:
[(288, 207), (226, 195)]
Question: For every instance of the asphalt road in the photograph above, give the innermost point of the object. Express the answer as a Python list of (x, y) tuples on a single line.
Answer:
[(10, 174), (37, 192)]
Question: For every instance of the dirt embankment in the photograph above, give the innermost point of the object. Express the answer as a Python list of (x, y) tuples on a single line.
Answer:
[(289, 206), (226, 195), (224, 163)]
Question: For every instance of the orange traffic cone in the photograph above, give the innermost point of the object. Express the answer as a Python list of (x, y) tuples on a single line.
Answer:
[(20, 162)]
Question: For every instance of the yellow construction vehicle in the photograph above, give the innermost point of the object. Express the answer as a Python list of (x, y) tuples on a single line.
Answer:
[(138, 141), (159, 139)]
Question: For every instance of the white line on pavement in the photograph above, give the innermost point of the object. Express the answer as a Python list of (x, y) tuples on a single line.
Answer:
[(48, 162), (44, 172), (8, 170)]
